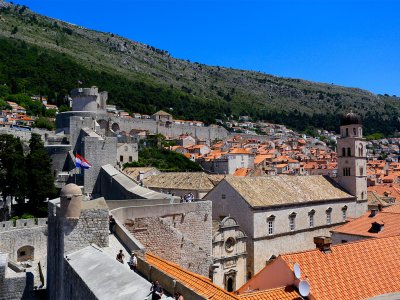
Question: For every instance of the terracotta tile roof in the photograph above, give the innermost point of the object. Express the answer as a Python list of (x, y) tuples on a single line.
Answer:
[(394, 209), (201, 285), (356, 270), (362, 226), (241, 172), (161, 113), (260, 158), (276, 190), (183, 180), (282, 293), (391, 190), (238, 151)]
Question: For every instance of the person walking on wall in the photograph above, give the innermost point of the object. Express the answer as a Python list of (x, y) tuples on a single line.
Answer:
[(156, 291), (120, 257), (111, 224), (133, 262)]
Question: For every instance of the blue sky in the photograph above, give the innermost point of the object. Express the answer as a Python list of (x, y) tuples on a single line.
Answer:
[(346, 42)]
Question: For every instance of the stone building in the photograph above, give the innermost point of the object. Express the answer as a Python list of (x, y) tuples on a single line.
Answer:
[(127, 152), (162, 116), (229, 255), (281, 213)]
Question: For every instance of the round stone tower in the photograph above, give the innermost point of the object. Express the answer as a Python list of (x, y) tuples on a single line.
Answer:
[(71, 201)]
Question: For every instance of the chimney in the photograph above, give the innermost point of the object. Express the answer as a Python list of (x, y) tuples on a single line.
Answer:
[(380, 207), (373, 213), (323, 243)]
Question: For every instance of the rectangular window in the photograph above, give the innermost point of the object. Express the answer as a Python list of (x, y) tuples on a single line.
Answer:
[(270, 227), (121, 158), (223, 196), (130, 158), (344, 213), (311, 220), (292, 224), (328, 217)]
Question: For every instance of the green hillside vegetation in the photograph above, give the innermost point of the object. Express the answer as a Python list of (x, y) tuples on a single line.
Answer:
[(164, 160), (46, 56)]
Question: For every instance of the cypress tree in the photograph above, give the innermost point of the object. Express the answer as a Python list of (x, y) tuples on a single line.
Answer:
[(40, 178)]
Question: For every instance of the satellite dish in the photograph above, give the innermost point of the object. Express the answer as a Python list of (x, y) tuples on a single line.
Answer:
[(297, 271), (304, 288)]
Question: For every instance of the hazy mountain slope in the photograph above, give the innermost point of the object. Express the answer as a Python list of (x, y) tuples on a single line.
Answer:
[(292, 101)]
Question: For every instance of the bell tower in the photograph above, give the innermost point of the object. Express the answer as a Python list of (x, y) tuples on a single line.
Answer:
[(352, 161)]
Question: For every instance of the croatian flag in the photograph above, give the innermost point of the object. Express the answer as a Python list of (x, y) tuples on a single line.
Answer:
[(80, 162)]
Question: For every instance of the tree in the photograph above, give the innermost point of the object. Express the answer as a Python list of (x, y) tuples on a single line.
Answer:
[(12, 168), (41, 180), (46, 123)]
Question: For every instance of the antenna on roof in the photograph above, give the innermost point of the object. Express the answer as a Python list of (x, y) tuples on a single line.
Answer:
[(304, 288), (297, 271)]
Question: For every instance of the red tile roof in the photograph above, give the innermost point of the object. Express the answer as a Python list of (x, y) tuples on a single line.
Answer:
[(356, 270), (282, 293), (201, 285), (362, 225), (394, 209)]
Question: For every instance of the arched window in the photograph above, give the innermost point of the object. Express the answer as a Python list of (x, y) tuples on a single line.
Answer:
[(347, 132), (292, 221), (343, 151), (349, 151), (361, 150), (360, 132), (270, 224), (311, 215), (361, 171), (329, 216), (344, 213)]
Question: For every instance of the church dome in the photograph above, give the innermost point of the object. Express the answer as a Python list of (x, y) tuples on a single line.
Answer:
[(350, 119)]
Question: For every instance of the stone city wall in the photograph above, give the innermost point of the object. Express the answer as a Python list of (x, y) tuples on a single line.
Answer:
[(181, 233), (24, 135), (173, 130), (158, 237), (75, 287), (25, 232), (90, 228), (195, 225), (12, 285), (126, 125)]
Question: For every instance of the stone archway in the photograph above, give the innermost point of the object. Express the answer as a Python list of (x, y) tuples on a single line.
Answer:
[(25, 253), (115, 127)]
